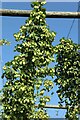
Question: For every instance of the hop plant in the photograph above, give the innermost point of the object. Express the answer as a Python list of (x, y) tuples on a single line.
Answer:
[(68, 76), (25, 74)]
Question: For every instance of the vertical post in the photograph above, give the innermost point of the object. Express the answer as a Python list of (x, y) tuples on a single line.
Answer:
[(79, 116)]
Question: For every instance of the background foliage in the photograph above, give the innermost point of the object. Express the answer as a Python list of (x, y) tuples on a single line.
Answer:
[(68, 76)]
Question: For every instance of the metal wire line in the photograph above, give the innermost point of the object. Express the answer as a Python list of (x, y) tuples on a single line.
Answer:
[(72, 24)]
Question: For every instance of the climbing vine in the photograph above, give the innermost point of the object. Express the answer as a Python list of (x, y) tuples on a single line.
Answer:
[(68, 76), (26, 75), (4, 42)]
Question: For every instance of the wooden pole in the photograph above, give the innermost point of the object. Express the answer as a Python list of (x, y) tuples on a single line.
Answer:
[(53, 106), (49, 14)]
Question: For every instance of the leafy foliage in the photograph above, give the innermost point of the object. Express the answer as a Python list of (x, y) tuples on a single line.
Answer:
[(4, 42), (26, 83), (68, 76), (26, 74)]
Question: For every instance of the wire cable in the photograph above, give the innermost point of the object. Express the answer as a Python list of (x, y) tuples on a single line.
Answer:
[(71, 28), (72, 24)]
